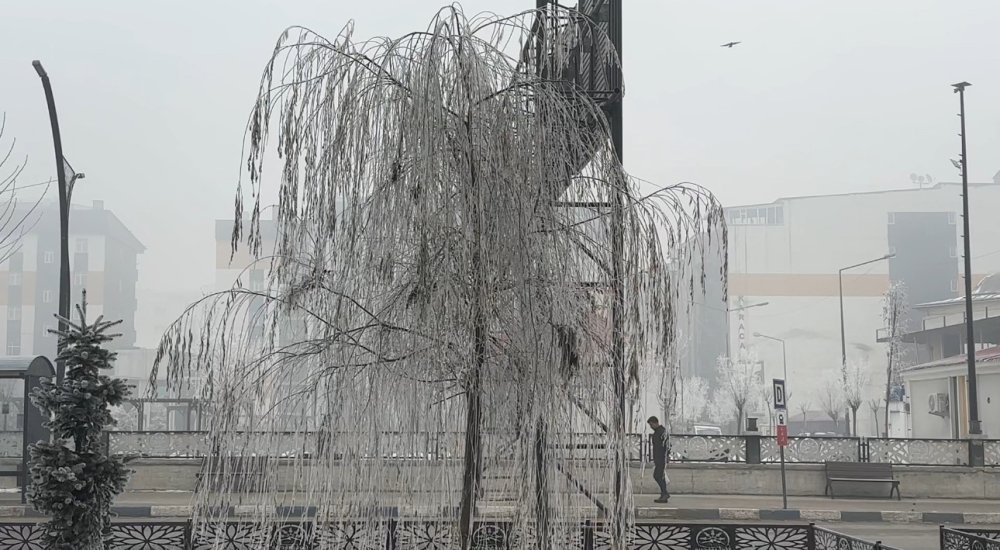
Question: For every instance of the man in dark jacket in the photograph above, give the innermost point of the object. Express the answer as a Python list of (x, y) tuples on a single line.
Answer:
[(660, 447)]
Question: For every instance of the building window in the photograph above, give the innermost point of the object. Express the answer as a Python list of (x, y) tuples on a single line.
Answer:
[(952, 218), (953, 252), (81, 246), (80, 279), (762, 215), (46, 296), (48, 256), (892, 218), (13, 349), (14, 279), (954, 285), (13, 313)]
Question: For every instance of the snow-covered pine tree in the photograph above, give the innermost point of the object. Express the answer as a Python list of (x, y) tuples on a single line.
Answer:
[(73, 480)]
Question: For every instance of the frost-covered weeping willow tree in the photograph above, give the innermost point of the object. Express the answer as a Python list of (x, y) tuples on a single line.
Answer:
[(435, 330)]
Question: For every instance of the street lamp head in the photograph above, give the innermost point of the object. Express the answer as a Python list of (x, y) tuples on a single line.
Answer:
[(757, 335), (889, 256), (960, 86), (39, 69)]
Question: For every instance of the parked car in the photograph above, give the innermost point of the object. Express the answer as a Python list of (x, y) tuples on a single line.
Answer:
[(707, 430)]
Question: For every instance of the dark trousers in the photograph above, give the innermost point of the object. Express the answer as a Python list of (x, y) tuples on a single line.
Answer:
[(661, 479)]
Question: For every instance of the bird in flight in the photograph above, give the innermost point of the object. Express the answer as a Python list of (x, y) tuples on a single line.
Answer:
[(730, 44)]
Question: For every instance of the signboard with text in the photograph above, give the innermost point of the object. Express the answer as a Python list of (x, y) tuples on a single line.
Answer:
[(779, 394)]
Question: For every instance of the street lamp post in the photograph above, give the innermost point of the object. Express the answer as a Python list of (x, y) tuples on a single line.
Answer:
[(784, 361), (970, 338), (729, 333), (64, 206), (843, 338)]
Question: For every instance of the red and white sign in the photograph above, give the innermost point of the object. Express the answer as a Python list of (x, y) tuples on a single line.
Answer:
[(781, 426), (782, 436)]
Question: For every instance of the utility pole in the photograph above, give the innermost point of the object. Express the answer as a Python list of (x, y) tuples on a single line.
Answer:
[(970, 337), (843, 337), (64, 287)]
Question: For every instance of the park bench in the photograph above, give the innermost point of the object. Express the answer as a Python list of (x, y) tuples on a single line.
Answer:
[(860, 472), (246, 473)]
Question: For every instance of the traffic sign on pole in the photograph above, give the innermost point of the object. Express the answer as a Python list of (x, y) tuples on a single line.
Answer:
[(782, 436), (779, 393)]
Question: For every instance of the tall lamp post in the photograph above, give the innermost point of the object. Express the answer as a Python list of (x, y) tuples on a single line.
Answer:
[(65, 191), (843, 339), (970, 338), (729, 310), (784, 362)]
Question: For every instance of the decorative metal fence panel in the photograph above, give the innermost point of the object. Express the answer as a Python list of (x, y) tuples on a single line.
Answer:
[(811, 449), (969, 539), (991, 452), (159, 444), (427, 535), (832, 540), (11, 444), (930, 452), (451, 445), (703, 448)]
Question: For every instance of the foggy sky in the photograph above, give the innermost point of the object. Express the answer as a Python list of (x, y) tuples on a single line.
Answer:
[(821, 97)]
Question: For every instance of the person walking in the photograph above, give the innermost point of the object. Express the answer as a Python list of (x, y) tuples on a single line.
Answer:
[(660, 445)]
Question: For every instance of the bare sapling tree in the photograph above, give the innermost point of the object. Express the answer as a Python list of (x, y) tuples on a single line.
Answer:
[(804, 406), (739, 385), (855, 388), (690, 403), (830, 397), (15, 220), (875, 406), (895, 315), (442, 266)]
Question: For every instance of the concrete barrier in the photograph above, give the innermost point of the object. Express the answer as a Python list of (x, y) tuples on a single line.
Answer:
[(810, 480)]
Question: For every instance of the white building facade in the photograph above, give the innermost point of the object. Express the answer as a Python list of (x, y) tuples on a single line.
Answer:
[(789, 253)]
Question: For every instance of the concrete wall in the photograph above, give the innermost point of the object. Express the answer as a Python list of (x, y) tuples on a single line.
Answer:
[(924, 423), (989, 403), (685, 478), (809, 480)]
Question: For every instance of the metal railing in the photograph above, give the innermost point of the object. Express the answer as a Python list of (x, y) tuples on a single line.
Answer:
[(941, 321), (751, 449), (827, 539), (969, 539), (394, 533)]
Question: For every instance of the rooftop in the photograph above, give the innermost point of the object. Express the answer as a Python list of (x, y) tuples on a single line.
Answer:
[(987, 290), (988, 355)]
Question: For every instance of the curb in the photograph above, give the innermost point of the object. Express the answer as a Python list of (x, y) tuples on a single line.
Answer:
[(641, 514), (763, 514)]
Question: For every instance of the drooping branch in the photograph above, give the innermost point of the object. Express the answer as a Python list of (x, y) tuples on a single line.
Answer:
[(440, 266)]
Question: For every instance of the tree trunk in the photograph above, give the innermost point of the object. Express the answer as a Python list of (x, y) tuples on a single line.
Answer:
[(541, 487), (472, 466), (473, 442), (888, 389), (854, 421)]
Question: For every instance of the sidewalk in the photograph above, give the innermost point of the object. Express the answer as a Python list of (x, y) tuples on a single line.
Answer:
[(176, 505)]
